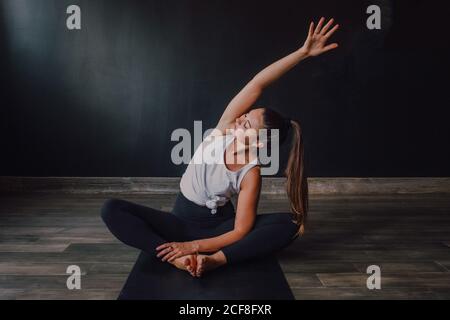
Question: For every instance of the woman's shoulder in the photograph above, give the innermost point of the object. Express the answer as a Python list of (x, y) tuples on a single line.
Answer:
[(252, 178)]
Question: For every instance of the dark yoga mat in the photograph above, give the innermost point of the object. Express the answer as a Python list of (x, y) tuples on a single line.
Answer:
[(152, 279)]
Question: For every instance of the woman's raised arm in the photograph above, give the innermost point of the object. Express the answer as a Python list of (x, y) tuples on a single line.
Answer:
[(314, 45)]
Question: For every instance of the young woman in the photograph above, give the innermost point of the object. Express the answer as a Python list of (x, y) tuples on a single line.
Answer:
[(204, 231)]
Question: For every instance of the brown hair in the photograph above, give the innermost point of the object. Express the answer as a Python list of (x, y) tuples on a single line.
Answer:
[(296, 185)]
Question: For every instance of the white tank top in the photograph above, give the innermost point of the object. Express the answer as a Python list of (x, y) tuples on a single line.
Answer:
[(207, 181)]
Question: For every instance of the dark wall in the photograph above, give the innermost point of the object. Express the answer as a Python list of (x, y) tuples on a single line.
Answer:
[(104, 100)]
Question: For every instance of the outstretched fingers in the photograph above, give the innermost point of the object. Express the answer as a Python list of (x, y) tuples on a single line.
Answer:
[(319, 25), (330, 47), (311, 30), (330, 33), (327, 26)]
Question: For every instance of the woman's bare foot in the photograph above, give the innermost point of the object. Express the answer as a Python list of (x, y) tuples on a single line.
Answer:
[(187, 263), (208, 263)]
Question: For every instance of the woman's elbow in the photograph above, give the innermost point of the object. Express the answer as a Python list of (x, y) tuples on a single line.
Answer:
[(256, 85), (241, 232)]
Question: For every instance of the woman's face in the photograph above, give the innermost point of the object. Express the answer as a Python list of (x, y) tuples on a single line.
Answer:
[(248, 125)]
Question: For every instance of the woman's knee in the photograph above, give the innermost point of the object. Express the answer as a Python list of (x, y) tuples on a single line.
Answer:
[(110, 208), (282, 224), (274, 218)]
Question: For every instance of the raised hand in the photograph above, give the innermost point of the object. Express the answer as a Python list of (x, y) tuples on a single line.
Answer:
[(316, 42)]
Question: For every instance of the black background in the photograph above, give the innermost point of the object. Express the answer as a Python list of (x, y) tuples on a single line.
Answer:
[(104, 100)]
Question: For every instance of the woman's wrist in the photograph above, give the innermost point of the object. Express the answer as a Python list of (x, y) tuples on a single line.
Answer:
[(303, 53), (195, 246)]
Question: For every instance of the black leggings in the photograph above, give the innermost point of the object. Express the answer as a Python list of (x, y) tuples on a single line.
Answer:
[(146, 228)]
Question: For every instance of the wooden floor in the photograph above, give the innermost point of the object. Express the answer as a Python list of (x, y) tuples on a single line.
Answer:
[(408, 236)]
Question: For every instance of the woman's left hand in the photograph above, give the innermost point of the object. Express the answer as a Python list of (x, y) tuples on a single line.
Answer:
[(316, 42), (171, 250)]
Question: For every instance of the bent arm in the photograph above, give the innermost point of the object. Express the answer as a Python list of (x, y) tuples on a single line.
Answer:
[(245, 214)]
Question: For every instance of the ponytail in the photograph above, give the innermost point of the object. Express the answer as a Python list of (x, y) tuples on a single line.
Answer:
[(297, 185)]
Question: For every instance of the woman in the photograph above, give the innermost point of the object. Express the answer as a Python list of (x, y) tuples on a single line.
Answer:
[(204, 231)]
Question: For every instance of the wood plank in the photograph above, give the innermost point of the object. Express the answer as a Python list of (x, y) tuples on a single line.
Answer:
[(59, 269), (28, 231), (10, 294), (402, 267), (170, 185), (58, 294), (442, 293), (444, 263), (33, 247), (401, 280), (96, 282), (300, 266), (302, 280), (326, 293), (71, 257), (92, 239), (36, 269), (11, 238)]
